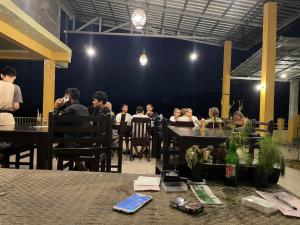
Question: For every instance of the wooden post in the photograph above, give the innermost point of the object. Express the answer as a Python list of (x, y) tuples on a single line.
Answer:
[(49, 88), (226, 79)]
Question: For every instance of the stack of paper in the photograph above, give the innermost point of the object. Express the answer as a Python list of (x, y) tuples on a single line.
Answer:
[(146, 184), (259, 204)]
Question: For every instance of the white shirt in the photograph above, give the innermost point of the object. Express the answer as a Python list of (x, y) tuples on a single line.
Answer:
[(172, 118), (119, 116), (186, 119)]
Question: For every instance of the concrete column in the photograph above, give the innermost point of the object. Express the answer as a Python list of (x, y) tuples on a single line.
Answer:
[(293, 110)]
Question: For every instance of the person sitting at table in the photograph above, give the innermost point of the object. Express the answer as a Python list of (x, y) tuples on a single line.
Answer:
[(11, 96), (239, 119), (182, 111), (124, 113), (99, 101), (149, 112), (69, 105), (188, 116), (139, 114), (214, 118), (124, 116), (176, 115), (108, 105)]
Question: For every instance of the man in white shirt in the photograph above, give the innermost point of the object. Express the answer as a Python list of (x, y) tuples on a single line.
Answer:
[(124, 116), (124, 113)]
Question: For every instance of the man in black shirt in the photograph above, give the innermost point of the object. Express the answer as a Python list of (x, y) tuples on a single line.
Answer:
[(99, 101), (69, 104)]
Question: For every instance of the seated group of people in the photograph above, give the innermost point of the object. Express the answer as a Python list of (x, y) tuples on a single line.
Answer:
[(186, 115)]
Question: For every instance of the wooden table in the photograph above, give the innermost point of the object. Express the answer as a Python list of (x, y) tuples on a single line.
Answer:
[(69, 197), (30, 135), (187, 136)]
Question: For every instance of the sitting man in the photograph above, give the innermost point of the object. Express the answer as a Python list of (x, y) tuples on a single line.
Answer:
[(124, 116), (99, 103), (214, 118), (108, 105), (139, 114), (149, 112), (69, 105)]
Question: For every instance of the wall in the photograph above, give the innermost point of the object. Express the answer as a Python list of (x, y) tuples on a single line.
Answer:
[(45, 12)]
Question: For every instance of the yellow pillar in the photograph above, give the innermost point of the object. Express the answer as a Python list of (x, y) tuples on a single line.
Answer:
[(49, 88), (293, 125), (226, 79), (280, 123), (268, 62)]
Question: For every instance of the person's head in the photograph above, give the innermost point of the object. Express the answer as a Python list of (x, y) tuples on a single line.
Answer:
[(213, 112), (238, 117), (73, 94), (176, 112), (8, 74), (108, 105), (189, 113), (139, 110), (124, 108), (99, 99), (182, 111), (149, 108)]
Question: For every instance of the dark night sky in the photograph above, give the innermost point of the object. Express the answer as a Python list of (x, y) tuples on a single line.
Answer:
[(169, 80)]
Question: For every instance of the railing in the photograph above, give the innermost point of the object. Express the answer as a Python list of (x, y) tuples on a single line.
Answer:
[(25, 120)]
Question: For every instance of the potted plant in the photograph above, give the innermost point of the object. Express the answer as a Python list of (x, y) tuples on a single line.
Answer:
[(195, 157), (270, 162)]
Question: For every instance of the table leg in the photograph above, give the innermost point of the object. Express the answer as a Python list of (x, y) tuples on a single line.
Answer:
[(44, 157)]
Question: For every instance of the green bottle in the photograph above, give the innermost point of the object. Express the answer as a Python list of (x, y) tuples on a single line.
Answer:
[(232, 163)]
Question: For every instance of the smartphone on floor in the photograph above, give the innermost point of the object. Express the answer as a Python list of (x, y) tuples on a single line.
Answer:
[(132, 203)]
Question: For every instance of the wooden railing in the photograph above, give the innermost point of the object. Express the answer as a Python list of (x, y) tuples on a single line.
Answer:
[(25, 120)]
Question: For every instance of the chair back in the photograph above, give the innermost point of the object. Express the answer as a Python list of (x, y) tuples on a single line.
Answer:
[(184, 124), (215, 125), (269, 126), (227, 123), (141, 128), (80, 130)]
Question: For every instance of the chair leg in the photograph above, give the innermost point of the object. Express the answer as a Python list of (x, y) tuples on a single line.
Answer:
[(103, 166), (31, 158), (17, 165), (5, 161), (131, 152), (149, 154), (60, 163), (71, 165)]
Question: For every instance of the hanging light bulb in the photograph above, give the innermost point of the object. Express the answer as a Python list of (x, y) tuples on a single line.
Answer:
[(193, 56), (90, 51), (138, 18), (143, 59)]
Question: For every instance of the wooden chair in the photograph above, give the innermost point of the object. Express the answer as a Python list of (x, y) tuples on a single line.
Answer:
[(140, 135), (81, 138), (184, 124), (19, 151), (257, 130), (215, 125)]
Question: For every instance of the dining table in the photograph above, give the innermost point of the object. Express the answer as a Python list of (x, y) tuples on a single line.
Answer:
[(76, 197), (30, 134)]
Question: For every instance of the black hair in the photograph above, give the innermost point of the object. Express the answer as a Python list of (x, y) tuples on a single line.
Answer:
[(124, 105), (100, 96), (9, 71), (139, 109), (150, 104), (74, 93)]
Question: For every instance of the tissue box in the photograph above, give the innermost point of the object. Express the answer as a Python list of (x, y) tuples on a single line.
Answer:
[(259, 204)]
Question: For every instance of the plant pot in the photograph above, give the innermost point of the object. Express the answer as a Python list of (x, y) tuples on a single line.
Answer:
[(261, 179), (274, 177), (197, 172)]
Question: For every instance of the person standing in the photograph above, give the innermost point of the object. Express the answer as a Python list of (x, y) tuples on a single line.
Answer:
[(11, 96)]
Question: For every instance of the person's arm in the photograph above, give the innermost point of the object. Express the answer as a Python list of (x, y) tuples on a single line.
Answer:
[(17, 98), (57, 106)]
